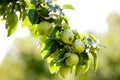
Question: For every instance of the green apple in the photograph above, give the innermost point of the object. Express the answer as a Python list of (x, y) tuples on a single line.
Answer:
[(67, 36), (44, 28), (78, 46), (72, 59), (64, 70)]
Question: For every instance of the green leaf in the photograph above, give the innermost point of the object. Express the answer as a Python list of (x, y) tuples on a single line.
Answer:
[(92, 37), (11, 22), (95, 61), (53, 33), (83, 65), (51, 50), (66, 19), (49, 43), (47, 49), (26, 22), (4, 2), (29, 5), (89, 41), (51, 7), (34, 31), (87, 65), (3, 10), (54, 47), (33, 28), (59, 57), (33, 16), (68, 6), (42, 1), (33, 2), (54, 69), (95, 64), (45, 12), (59, 61)]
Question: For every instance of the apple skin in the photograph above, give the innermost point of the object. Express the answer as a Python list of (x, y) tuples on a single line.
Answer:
[(72, 60), (67, 36), (78, 46), (44, 28)]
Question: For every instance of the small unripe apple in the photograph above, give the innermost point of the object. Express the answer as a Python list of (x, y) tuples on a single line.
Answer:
[(78, 46), (67, 36), (72, 60), (44, 28)]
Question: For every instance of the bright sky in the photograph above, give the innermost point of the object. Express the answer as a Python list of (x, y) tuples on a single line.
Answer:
[(89, 15)]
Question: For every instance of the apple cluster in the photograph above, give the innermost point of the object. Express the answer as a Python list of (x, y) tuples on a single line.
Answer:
[(67, 49), (76, 46)]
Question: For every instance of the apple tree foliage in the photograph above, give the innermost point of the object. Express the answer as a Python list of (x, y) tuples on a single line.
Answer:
[(66, 50)]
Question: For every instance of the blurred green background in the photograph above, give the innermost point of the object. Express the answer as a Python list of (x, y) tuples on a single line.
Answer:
[(109, 58), (24, 62)]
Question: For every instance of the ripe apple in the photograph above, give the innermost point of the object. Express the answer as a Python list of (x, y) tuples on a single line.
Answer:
[(72, 60), (44, 28), (78, 46), (67, 36)]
